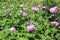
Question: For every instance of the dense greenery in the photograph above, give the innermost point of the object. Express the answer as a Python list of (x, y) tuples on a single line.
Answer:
[(11, 15)]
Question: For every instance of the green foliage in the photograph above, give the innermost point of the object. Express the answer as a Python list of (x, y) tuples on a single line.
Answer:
[(43, 30)]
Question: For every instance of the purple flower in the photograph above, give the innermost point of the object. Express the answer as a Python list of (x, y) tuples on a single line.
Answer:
[(24, 14), (30, 27), (12, 29), (54, 23), (44, 7), (35, 8), (21, 5), (53, 10)]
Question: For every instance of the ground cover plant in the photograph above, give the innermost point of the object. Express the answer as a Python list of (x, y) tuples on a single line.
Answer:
[(29, 19)]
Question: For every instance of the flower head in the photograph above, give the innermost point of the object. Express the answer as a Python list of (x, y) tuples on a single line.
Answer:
[(44, 7), (35, 8), (54, 23), (53, 10), (30, 27), (24, 14), (12, 29)]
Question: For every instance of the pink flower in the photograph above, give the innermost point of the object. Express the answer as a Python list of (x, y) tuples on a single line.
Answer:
[(12, 29), (35, 8), (44, 7), (24, 14), (21, 5), (54, 23), (30, 27), (53, 10)]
